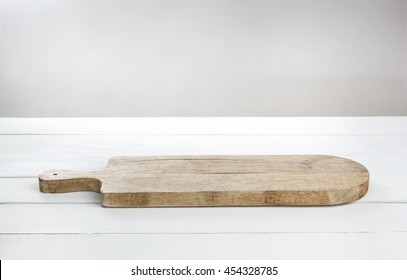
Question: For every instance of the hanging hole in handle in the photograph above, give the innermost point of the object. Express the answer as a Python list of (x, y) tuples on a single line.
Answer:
[(60, 181)]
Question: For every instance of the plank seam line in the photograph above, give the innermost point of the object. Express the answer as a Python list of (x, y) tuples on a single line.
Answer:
[(204, 134), (18, 177), (203, 233), (93, 203), (48, 203)]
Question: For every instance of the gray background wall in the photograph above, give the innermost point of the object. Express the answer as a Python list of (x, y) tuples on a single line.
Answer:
[(203, 58)]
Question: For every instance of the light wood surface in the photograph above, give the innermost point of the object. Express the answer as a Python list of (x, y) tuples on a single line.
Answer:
[(205, 126), (211, 246), (88, 218), (35, 225), (217, 181)]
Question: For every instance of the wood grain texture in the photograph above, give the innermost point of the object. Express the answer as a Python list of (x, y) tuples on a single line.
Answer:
[(25, 191), (217, 181)]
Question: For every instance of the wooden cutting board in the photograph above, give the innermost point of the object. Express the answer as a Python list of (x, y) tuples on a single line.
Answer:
[(217, 181)]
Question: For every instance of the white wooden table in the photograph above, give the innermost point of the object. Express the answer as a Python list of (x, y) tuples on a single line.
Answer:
[(34, 225)]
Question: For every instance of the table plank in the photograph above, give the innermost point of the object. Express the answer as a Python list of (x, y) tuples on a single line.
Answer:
[(206, 246), (220, 126), (86, 145), (91, 218), (36, 225), (26, 190)]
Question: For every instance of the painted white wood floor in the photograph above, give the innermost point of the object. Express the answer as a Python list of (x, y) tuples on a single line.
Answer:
[(34, 225)]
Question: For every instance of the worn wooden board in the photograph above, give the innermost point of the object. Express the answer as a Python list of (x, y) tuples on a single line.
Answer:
[(217, 181)]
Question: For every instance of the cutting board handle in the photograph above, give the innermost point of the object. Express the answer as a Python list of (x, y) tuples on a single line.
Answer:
[(60, 181)]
